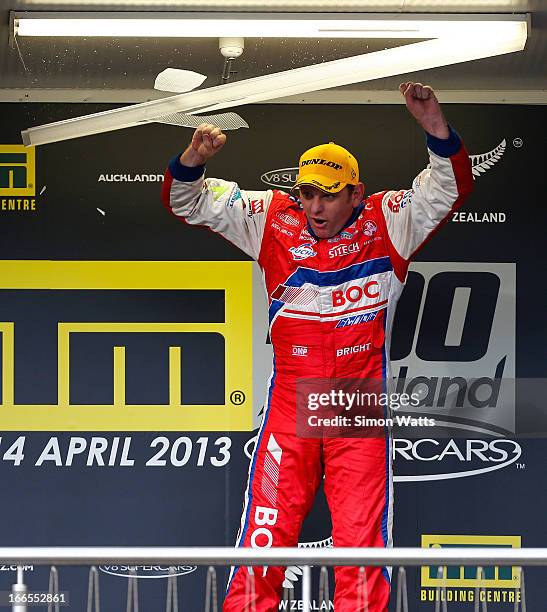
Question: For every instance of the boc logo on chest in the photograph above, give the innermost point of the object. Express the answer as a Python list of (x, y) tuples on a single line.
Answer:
[(303, 251)]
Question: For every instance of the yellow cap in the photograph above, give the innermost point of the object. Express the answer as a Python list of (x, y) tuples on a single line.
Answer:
[(329, 167)]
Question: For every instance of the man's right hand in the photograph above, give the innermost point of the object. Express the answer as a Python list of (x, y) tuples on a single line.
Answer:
[(207, 141)]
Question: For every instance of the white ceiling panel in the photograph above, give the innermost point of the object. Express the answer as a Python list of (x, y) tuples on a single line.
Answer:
[(101, 69)]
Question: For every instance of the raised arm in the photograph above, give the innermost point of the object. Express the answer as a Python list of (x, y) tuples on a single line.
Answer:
[(413, 215), (221, 205)]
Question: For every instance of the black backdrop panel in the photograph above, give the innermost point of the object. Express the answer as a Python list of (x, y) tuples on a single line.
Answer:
[(85, 211)]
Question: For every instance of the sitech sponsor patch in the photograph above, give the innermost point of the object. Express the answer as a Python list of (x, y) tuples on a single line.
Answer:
[(344, 249)]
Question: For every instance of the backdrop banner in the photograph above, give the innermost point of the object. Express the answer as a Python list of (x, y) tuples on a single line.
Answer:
[(135, 352)]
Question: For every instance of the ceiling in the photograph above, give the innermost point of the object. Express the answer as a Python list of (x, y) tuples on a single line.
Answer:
[(123, 70)]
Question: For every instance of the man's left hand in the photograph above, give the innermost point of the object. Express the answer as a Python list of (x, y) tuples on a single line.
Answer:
[(422, 103)]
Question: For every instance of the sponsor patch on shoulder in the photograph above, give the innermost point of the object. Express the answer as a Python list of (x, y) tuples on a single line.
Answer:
[(399, 199), (257, 206), (233, 198), (218, 190)]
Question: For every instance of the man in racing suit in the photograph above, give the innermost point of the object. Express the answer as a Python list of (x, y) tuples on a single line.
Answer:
[(334, 266)]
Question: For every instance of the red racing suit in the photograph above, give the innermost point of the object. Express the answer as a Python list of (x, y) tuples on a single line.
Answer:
[(331, 307)]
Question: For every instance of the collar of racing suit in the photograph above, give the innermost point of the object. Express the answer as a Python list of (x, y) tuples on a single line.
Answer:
[(356, 212)]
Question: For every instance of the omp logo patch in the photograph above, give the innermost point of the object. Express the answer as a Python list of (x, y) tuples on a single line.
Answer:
[(119, 345), (17, 171), (495, 577)]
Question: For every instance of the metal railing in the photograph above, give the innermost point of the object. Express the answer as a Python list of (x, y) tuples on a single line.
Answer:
[(302, 557)]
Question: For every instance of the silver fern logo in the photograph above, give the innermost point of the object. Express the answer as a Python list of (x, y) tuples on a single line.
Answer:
[(293, 572), (482, 163)]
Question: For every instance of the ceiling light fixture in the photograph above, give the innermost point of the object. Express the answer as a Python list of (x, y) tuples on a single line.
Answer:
[(250, 25), (465, 41)]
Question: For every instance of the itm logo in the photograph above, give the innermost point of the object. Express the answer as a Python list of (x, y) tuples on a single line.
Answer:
[(17, 170), (494, 577), (17, 178), (125, 345)]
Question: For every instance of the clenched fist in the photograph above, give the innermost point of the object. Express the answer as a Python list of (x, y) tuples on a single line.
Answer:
[(422, 103), (207, 141)]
